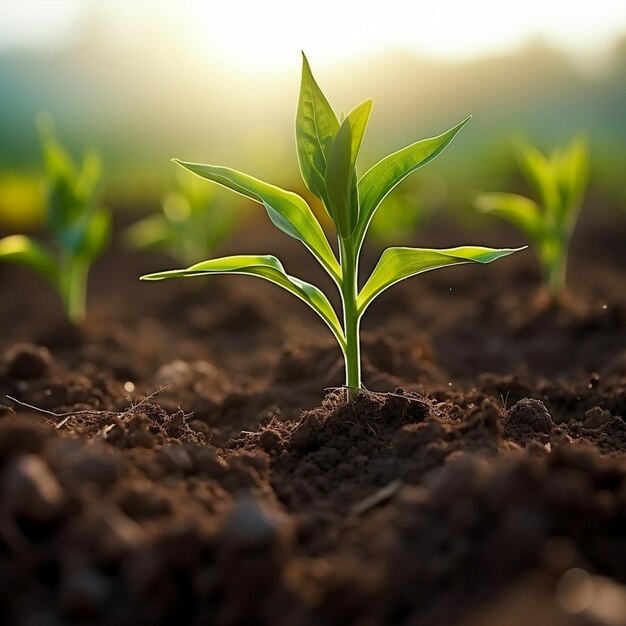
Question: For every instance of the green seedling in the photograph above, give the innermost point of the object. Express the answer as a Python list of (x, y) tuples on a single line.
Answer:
[(559, 182), (78, 226), (190, 226), (327, 151)]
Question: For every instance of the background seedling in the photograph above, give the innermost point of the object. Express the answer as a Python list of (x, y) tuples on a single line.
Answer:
[(407, 208), (191, 224), (78, 226), (327, 153), (559, 182)]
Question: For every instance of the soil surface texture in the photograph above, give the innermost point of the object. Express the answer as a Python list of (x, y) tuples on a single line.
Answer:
[(188, 456)]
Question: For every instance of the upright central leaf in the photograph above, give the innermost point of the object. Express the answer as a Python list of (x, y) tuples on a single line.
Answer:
[(337, 181), (341, 175), (316, 127)]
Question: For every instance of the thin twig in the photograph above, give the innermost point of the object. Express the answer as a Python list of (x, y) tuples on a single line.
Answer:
[(36, 408), (69, 414)]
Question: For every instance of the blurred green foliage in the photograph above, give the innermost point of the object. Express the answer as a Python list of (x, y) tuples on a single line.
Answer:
[(408, 208), (559, 182), (190, 225), (78, 225)]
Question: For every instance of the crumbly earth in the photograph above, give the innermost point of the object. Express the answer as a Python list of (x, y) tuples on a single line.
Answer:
[(188, 456)]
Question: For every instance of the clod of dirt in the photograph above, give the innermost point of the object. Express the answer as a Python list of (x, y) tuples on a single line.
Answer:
[(403, 408), (21, 436), (249, 526), (526, 420), (31, 490), (270, 440), (175, 458), (141, 501), (207, 462), (27, 361), (87, 464), (596, 417)]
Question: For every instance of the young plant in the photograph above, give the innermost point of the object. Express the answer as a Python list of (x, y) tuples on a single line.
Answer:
[(559, 182), (78, 226), (327, 151), (190, 225)]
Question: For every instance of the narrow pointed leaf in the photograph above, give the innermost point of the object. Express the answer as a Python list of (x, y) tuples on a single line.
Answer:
[(338, 179), (287, 210), (96, 234), (26, 251), (271, 269), (380, 179), (396, 264), (539, 174), (341, 176), (573, 176), (522, 212), (316, 126), (358, 118)]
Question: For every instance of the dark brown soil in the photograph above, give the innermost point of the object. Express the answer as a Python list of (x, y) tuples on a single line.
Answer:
[(191, 460)]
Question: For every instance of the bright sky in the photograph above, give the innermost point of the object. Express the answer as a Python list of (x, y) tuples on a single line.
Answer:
[(268, 34)]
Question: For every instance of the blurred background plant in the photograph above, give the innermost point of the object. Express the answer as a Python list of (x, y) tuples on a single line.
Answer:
[(408, 208), (559, 182), (77, 224), (190, 225)]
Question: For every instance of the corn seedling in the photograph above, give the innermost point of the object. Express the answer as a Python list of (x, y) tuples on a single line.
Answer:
[(78, 226), (190, 226), (327, 152), (559, 182)]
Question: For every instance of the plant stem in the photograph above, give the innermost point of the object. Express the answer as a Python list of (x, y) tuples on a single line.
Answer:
[(555, 271), (75, 292), (351, 318)]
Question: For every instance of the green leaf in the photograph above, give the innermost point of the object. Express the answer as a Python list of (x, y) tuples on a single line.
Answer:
[(341, 174), (271, 269), (338, 181), (396, 264), (573, 176), (316, 127), (522, 212), (61, 176), (95, 234), (539, 174), (23, 250), (380, 179), (358, 118), (287, 210), (57, 161), (88, 183)]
